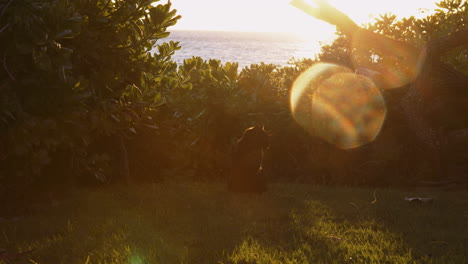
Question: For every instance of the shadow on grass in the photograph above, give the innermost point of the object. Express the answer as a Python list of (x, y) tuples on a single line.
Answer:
[(321, 235), (203, 223), (346, 225), (436, 232)]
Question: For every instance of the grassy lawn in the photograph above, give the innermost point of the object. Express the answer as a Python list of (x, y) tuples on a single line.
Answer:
[(203, 223)]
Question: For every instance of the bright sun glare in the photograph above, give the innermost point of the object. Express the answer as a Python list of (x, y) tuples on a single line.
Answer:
[(280, 16)]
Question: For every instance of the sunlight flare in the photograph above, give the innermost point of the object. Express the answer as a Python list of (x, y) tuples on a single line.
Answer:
[(337, 105), (396, 63)]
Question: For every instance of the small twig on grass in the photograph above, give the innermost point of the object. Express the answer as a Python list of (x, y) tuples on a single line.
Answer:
[(336, 238), (375, 197)]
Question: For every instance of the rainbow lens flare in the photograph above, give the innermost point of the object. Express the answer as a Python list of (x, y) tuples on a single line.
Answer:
[(335, 104)]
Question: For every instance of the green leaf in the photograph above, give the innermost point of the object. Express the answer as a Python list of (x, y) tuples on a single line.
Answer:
[(162, 35)]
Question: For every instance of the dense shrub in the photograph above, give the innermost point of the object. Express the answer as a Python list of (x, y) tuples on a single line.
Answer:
[(74, 73)]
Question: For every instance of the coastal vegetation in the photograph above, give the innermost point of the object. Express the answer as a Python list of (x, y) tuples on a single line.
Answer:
[(90, 97)]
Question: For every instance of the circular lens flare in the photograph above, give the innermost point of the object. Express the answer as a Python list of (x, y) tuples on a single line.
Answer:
[(337, 105)]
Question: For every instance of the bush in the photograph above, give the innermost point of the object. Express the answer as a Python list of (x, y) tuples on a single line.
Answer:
[(76, 71)]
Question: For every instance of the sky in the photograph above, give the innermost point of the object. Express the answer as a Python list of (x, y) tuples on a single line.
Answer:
[(280, 16)]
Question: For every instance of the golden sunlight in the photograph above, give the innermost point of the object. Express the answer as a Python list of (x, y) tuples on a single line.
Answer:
[(279, 16)]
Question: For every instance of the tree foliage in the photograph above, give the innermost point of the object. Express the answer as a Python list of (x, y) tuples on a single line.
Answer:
[(74, 71)]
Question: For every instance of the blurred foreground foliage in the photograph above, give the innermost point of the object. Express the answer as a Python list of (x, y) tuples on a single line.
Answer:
[(88, 95)]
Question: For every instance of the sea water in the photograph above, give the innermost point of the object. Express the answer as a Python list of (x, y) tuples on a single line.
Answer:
[(246, 48)]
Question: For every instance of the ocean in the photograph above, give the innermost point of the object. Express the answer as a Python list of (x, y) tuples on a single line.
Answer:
[(246, 48)]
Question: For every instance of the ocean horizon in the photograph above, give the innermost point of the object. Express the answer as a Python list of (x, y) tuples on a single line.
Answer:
[(245, 48)]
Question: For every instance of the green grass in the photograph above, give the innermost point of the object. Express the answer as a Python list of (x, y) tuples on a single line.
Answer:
[(203, 223)]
